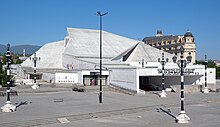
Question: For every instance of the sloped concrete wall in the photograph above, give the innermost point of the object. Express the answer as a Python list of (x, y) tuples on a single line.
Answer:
[(125, 78)]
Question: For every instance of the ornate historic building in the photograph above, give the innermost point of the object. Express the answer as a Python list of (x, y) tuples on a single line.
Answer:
[(172, 43)]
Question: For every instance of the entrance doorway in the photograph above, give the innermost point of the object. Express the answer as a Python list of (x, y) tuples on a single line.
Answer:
[(146, 84), (94, 80)]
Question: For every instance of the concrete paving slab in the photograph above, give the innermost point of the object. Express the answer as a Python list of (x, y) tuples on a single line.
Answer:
[(83, 109)]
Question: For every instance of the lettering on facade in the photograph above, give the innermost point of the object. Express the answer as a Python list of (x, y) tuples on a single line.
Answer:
[(176, 71), (66, 78)]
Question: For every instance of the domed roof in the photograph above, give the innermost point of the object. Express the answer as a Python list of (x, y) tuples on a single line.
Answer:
[(188, 34)]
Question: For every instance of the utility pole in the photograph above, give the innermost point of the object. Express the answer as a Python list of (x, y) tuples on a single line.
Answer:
[(206, 90), (163, 94), (100, 76), (35, 59), (182, 117), (8, 107)]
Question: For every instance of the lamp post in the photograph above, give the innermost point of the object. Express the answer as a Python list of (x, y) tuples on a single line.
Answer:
[(206, 90), (100, 76), (163, 94), (8, 107), (182, 117), (35, 59)]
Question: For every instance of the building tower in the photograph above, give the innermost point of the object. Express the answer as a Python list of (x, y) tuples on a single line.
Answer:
[(189, 46), (24, 53)]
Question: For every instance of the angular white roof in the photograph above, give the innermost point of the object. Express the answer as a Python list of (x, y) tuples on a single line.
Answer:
[(81, 44), (86, 43), (142, 51), (50, 56)]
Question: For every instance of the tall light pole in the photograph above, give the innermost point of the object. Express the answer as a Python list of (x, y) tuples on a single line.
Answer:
[(35, 59), (163, 94), (8, 107), (100, 76), (182, 117), (206, 90)]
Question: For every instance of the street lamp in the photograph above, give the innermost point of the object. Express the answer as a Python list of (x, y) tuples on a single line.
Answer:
[(182, 117), (100, 76), (8, 107), (206, 90), (163, 94), (35, 59)]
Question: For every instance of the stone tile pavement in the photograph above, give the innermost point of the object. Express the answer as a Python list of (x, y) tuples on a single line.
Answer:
[(82, 109)]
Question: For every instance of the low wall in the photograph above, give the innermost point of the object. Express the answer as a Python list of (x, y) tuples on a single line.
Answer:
[(124, 78), (194, 88), (49, 77)]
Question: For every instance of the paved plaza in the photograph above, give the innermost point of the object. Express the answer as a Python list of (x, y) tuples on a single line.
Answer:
[(48, 107)]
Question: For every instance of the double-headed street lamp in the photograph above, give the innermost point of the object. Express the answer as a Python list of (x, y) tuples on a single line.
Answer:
[(206, 90), (182, 117), (35, 59), (100, 76), (163, 94), (8, 107)]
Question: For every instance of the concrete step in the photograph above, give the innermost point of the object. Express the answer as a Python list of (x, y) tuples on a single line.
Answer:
[(89, 88), (121, 90), (187, 88)]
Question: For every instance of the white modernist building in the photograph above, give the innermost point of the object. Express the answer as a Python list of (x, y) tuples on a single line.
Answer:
[(127, 63)]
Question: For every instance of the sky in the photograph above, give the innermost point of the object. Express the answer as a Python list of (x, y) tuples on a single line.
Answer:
[(37, 22)]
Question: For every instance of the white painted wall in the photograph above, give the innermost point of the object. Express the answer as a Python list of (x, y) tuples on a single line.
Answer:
[(72, 63), (211, 75), (49, 77), (148, 71), (196, 78), (129, 78), (125, 78)]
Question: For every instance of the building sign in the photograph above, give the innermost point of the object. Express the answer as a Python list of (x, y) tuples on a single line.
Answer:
[(176, 71), (66, 78)]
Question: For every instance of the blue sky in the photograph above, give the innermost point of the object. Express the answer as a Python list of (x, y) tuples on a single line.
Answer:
[(38, 22)]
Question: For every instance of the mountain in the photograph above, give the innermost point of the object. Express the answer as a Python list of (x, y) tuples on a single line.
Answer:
[(2, 49), (18, 49)]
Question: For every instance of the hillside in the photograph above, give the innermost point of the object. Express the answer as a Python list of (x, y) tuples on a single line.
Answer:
[(18, 49)]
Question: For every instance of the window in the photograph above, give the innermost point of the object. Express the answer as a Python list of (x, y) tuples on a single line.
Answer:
[(169, 42), (159, 43), (164, 43)]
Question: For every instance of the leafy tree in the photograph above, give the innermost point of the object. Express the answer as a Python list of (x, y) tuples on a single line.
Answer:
[(2, 75), (211, 64), (218, 72), (18, 61)]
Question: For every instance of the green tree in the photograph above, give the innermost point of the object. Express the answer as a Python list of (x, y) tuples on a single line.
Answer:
[(2, 75), (218, 72), (211, 64), (18, 61)]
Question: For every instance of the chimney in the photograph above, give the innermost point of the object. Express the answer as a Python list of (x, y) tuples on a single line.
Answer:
[(159, 33)]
